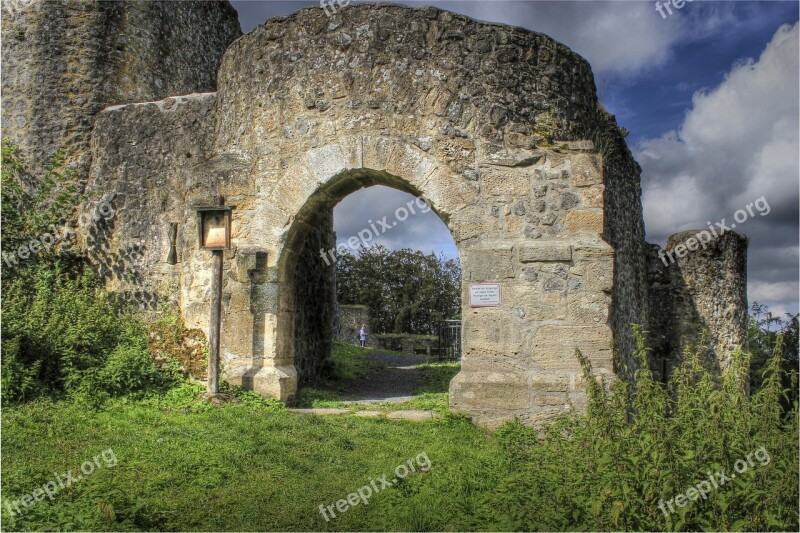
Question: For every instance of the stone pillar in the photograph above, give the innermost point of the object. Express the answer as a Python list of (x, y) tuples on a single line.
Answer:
[(519, 357), (698, 286)]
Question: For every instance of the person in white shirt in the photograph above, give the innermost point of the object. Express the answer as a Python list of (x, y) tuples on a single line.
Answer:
[(363, 335)]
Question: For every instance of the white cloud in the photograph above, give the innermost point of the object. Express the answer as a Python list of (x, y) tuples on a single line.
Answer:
[(738, 142)]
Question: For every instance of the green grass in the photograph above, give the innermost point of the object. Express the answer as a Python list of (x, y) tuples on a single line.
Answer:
[(184, 464), (350, 363), (238, 467)]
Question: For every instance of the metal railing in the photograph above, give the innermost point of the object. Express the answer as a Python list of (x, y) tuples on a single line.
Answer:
[(450, 340)]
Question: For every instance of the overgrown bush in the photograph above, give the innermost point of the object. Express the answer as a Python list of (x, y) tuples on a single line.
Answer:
[(617, 468), (61, 337)]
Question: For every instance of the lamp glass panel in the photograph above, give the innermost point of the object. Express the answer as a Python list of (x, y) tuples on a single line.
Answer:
[(214, 229)]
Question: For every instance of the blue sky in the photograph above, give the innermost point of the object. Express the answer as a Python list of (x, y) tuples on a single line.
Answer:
[(709, 95)]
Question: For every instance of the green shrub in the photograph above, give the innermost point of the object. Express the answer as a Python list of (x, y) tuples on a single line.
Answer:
[(61, 336), (32, 207), (19, 380), (615, 468)]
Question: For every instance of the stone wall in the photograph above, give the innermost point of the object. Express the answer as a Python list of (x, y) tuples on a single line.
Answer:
[(496, 127), (315, 300), (349, 321), (624, 231), (149, 193), (310, 109), (698, 299), (64, 61)]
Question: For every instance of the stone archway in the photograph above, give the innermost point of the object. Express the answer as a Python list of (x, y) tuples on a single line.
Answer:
[(307, 291), (309, 195), (518, 359), (463, 113)]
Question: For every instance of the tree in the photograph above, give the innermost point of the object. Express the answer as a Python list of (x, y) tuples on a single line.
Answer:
[(763, 329), (406, 291)]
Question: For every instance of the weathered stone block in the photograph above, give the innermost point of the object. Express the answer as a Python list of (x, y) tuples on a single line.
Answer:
[(488, 265), (515, 183), (576, 145), (538, 304), (592, 249), (545, 251), (549, 382), (553, 347), (592, 196), (512, 158), (490, 390), (550, 399), (270, 381), (586, 170), (597, 275), (584, 221), (491, 332), (588, 307)]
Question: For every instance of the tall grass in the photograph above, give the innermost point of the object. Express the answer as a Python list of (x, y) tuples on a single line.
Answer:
[(635, 450)]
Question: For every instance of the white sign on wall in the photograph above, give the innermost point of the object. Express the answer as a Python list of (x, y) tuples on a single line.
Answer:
[(484, 294)]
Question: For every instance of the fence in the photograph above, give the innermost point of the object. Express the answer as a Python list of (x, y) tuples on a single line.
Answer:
[(450, 340)]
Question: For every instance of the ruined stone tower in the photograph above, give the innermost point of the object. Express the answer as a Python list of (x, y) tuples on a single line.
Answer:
[(498, 128), (63, 62)]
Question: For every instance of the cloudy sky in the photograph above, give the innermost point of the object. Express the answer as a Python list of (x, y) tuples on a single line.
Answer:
[(709, 95)]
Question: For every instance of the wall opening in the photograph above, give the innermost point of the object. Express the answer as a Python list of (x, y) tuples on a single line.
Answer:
[(374, 252)]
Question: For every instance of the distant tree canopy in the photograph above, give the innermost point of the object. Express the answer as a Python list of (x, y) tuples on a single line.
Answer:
[(763, 329), (406, 291)]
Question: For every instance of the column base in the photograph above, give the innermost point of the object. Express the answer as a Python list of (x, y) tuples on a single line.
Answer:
[(279, 382)]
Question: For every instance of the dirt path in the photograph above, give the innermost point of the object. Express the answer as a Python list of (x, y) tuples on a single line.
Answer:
[(394, 378)]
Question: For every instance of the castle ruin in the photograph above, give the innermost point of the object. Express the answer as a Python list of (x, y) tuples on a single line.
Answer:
[(162, 106)]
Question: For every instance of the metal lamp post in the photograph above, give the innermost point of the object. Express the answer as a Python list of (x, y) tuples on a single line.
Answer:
[(214, 234)]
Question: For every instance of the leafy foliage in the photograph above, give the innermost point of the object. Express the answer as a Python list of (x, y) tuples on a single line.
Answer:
[(60, 335), (763, 329), (406, 291), (612, 469), (32, 208)]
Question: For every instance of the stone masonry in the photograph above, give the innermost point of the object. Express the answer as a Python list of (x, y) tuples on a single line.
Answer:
[(63, 62), (498, 128)]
